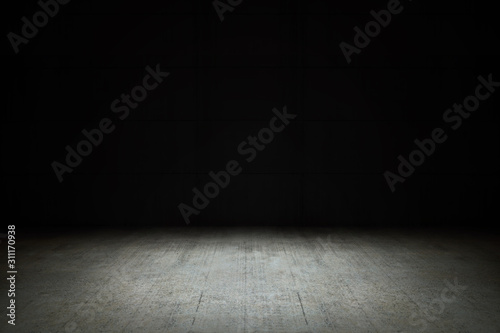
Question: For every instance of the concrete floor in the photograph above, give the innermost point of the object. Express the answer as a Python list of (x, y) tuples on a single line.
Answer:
[(256, 280)]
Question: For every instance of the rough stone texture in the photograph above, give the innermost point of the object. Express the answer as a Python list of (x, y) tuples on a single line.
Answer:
[(255, 280)]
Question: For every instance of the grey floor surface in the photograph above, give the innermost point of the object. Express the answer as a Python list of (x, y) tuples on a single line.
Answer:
[(256, 280)]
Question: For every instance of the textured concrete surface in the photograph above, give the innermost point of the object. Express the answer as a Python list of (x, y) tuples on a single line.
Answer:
[(256, 280)]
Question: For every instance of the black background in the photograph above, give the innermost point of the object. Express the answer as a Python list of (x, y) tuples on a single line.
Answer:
[(325, 169)]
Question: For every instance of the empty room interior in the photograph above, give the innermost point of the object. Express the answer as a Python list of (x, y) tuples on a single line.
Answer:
[(250, 166)]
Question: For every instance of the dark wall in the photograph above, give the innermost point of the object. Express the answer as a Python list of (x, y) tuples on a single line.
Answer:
[(325, 169)]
